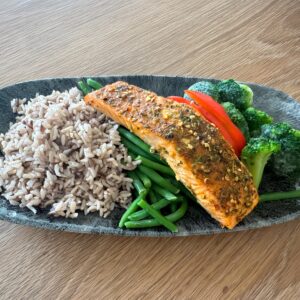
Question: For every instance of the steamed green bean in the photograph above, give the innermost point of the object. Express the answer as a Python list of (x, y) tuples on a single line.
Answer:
[(164, 193), (158, 179), (152, 196), (84, 87), (133, 207), (157, 216), (138, 142), (173, 217), (279, 196), (137, 183), (94, 84), (144, 178), (155, 166), (141, 214), (133, 148)]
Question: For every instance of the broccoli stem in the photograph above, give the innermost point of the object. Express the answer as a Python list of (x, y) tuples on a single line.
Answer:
[(256, 155), (279, 196), (257, 167)]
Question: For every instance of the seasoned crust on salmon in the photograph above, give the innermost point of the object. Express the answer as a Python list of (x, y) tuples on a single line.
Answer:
[(200, 157)]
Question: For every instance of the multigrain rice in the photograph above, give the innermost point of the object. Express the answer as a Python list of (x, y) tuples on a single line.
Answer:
[(64, 155)]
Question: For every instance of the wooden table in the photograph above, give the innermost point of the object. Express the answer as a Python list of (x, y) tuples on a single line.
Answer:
[(248, 40)]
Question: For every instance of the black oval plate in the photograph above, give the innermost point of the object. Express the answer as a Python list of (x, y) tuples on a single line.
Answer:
[(197, 221)]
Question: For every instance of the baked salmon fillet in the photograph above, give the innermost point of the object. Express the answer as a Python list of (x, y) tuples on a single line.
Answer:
[(194, 148)]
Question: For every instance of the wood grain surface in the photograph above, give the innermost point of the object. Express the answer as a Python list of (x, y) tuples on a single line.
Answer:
[(255, 41)]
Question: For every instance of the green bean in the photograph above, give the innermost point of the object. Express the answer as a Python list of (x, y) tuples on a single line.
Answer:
[(155, 166), (137, 182), (141, 214), (84, 87), (174, 217), (157, 216), (134, 156), (164, 193), (144, 178), (133, 148), (183, 189), (279, 196), (133, 138), (159, 180), (173, 207), (138, 142), (94, 84), (133, 207), (152, 197)]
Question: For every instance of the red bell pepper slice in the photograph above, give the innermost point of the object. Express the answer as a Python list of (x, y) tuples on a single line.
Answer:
[(219, 112), (210, 104), (209, 117)]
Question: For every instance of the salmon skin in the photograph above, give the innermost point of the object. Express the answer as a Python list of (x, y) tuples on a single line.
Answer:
[(195, 149)]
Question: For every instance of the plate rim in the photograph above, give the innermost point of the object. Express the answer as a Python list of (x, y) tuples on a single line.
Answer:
[(144, 75)]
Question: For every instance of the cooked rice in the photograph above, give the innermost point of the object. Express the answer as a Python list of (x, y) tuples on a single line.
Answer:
[(65, 155)]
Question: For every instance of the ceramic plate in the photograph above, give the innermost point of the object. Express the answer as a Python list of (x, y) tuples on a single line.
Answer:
[(197, 221)]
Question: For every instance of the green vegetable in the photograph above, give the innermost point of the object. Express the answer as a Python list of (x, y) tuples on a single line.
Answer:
[(237, 118), (136, 182), (157, 216), (174, 217), (256, 155), (287, 161), (94, 84), (255, 119), (133, 155), (247, 94), (84, 87), (229, 91), (164, 193), (173, 207), (141, 214), (138, 142), (159, 180), (279, 196), (156, 166), (238, 94), (204, 87), (152, 197), (133, 148), (183, 189), (133, 207), (276, 131), (144, 178), (133, 139)]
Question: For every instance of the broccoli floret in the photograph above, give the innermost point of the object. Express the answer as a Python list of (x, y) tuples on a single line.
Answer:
[(256, 155), (247, 94), (239, 94), (229, 90), (255, 119), (286, 162), (204, 87), (276, 131), (237, 118)]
